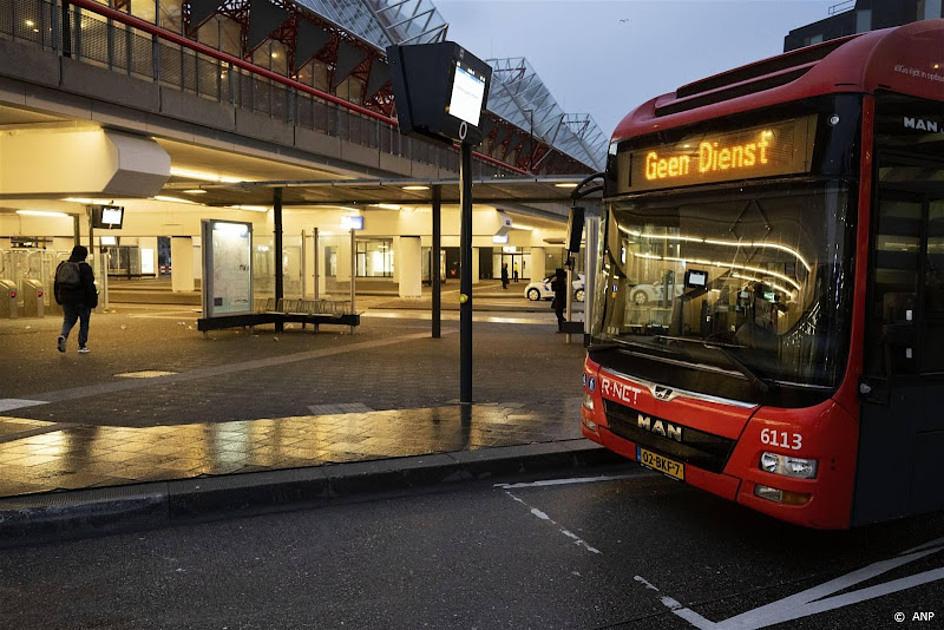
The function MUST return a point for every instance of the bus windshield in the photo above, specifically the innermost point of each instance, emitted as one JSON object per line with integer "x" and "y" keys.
{"x": 752, "y": 280}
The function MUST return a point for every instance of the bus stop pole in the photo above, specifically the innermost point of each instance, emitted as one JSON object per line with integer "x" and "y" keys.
{"x": 434, "y": 262}
{"x": 465, "y": 289}
{"x": 279, "y": 279}
{"x": 316, "y": 262}
{"x": 353, "y": 273}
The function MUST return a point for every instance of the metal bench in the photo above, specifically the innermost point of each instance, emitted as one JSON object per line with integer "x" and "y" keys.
{"x": 270, "y": 311}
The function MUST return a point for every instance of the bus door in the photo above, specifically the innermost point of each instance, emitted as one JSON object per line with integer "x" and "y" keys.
{"x": 901, "y": 449}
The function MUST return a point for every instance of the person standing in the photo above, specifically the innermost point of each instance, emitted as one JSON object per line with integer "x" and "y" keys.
{"x": 559, "y": 303}
{"x": 74, "y": 289}
{"x": 504, "y": 275}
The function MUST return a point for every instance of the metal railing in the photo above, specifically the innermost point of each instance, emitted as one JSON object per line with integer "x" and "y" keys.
{"x": 841, "y": 7}
{"x": 110, "y": 39}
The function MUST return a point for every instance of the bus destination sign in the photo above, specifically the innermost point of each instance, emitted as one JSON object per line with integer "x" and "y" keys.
{"x": 781, "y": 148}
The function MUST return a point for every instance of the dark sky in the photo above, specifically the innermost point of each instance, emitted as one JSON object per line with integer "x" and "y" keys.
{"x": 606, "y": 57}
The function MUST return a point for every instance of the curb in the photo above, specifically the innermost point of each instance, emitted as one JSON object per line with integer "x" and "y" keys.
{"x": 50, "y": 517}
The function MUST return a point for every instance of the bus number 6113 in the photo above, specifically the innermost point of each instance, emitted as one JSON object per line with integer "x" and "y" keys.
{"x": 781, "y": 438}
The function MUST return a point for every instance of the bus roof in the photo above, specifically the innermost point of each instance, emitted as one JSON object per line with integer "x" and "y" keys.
{"x": 908, "y": 59}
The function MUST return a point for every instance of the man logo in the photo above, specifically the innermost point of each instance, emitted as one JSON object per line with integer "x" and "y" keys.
{"x": 922, "y": 124}
{"x": 662, "y": 393}
{"x": 659, "y": 427}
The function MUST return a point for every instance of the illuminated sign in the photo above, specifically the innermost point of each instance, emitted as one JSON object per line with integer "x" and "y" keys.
{"x": 352, "y": 222}
{"x": 782, "y": 148}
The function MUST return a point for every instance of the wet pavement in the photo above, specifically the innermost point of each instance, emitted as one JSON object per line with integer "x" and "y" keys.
{"x": 156, "y": 400}
{"x": 55, "y": 457}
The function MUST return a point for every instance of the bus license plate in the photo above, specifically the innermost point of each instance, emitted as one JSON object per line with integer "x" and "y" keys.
{"x": 670, "y": 467}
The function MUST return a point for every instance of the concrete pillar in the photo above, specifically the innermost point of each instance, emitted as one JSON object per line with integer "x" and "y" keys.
{"x": 396, "y": 260}
{"x": 475, "y": 265}
{"x": 181, "y": 257}
{"x": 410, "y": 264}
{"x": 538, "y": 260}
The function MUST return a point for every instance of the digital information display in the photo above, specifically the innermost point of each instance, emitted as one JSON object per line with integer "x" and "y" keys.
{"x": 468, "y": 93}
{"x": 108, "y": 217}
{"x": 781, "y": 148}
{"x": 695, "y": 279}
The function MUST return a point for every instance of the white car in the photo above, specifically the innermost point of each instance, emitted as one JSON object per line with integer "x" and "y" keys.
{"x": 642, "y": 294}
{"x": 536, "y": 291}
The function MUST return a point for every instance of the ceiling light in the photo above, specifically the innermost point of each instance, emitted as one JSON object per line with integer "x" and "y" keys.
{"x": 566, "y": 185}
{"x": 87, "y": 200}
{"x": 412, "y": 187}
{"x": 249, "y": 208}
{"x": 203, "y": 176}
{"x": 41, "y": 213}
{"x": 170, "y": 199}
{"x": 388, "y": 206}
{"x": 522, "y": 226}
{"x": 195, "y": 191}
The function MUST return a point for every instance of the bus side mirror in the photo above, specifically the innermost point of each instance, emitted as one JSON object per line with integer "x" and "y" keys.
{"x": 574, "y": 229}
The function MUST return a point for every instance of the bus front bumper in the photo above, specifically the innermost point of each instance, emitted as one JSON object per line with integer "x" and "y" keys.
{"x": 817, "y": 511}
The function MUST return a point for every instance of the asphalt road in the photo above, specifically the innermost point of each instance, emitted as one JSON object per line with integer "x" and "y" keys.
{"x": 634, "y": 550}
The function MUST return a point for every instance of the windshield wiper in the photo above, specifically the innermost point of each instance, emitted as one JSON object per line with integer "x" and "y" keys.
{"x": 630, "y": 346}
{"x": 762, "y": 383}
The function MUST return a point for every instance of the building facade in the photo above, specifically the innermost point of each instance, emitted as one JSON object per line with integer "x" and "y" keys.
{"x": 860, "y": 16}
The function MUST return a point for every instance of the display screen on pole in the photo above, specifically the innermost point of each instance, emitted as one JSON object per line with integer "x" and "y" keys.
{"x": 468, "y": 92}
{"x": 108, "y": 217}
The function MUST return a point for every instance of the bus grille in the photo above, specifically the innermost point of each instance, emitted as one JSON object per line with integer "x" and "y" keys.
{"x": 704, "y": 450}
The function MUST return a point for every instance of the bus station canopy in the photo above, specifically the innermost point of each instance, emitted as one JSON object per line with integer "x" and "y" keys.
{"x": 508, "y": 191}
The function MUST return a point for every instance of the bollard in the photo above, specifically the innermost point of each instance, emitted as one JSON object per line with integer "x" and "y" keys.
{"x": 34, "y": 300}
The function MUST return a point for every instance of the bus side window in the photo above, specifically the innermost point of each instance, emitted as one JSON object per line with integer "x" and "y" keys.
{"x": 896, "y": 264}
{"x": 934, "y": 289}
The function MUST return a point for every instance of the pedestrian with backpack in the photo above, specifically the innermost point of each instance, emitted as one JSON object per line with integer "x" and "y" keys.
{"x": 75, "y": 291}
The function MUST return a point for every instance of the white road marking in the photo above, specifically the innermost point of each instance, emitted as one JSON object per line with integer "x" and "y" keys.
{"x": 677, "y": 608}
{"x": 817, "y": 599}
{"x": 566, "y": 532}
{"x": 574, "y": 480}
{"x": 9, "y": 404}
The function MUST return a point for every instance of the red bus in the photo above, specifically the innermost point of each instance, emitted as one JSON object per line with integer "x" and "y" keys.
{"x": 768, "y": 319}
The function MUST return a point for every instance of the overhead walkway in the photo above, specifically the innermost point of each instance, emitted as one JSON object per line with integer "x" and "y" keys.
{"x": 104, "y": 66}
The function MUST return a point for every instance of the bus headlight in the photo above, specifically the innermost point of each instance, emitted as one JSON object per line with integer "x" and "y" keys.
{"x": 587, "y": 401}
{"x": 788, "y": 466}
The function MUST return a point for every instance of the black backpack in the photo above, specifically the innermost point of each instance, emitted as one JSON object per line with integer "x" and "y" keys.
{"x": 69, "y": 275}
